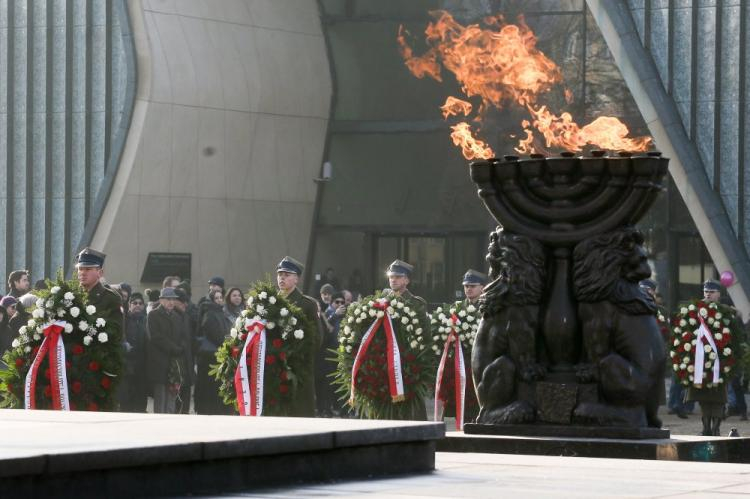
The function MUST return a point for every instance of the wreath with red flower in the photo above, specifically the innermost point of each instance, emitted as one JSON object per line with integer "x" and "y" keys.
{"x": 465, "y": 321}
{"x": 288, "y": 349}
{"x": 92, "y": 352}
{"x": 373, "y": 397}
{"x": 715, "y": 343}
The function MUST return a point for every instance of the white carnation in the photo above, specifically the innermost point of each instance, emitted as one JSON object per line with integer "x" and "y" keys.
{"x": 413, "y": 344}
{"x": 283, "y": 312}
{"x": 38, "y": 313}
{"x": 407, "y": 309}
{"x": 688, "y": 346}
{"x": 39, "y": 302}
{"x": 299, "y": 334}
{"x": 471, "y": 309}
{"x": 690, "y": 369}
{"x": 712, "y": 355}
{"x": 706, "y": 348}
{"x": 31, "y": 323}
{"x": 87, "y": 340}
{"x": 263, "y": 295}
{"x": 718, "y": 336}
{"x": 15, "y": 343}
{"x": 462, "y": 313}
{"x": 270, "y": 325}
{"x": 348, "y": 349}
{"x": 249, "y": 300}
{"x": 692, "y": 321}
{"x": 405, "y": 320}
{"x": 90, "y": 309}
{"x": 102, "y": 337}
{"x": 347, "y": 330}
{"x": 419, "y": 330}
{"x": 703, "y": 312}
{"x": 27, "y": 349}
{"x": 68, "y": 296}
{"x": 37, "y": 336}
{"x": 83, "y": 325}
{"x": 272, "y": 300}
{"x": 68, "y": 327}
{"x": 100, "y": 323}
{"x": 380, "y": 313}
{"x": 55, "y": 290}
{"x": 691, "y": 307}
{"x": 260, "y": 308}
{"x": 75, "y": 312}
{"x": 372, "y": 312}
{"x": 718, "y": 315}
{"x": 399, "y": 304}
{"x": 293, "y": 321}
{"x": 727, "y": 351}
{"x": 22, "y": 330}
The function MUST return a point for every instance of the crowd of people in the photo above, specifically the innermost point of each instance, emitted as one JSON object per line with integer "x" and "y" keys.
{"x": 170, "y": 338}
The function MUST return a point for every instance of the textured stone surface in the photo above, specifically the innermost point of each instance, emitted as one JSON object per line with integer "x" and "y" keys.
{"x": 556, "y": 401}
{"x": 125, "y": 455}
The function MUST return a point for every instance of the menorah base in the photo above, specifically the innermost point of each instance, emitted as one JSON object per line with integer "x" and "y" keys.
{"x": 563, "y": 431}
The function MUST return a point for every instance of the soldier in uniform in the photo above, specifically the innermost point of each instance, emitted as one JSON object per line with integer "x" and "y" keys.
{"x": 474, "y": 283}
{"x": 399, "y": 277}
{"x": 108, "y": 303}
{"x": 288, "y": 273}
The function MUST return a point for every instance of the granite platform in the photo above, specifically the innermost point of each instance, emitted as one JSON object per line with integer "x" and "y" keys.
{"x": 676, "y": 448}
{"x": 66, "y": 454}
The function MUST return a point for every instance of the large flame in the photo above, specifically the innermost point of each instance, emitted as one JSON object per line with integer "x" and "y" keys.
{"x": 501, "y": 65}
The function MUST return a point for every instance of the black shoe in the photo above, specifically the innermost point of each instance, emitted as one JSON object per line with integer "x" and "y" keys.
{"x": 682, "y": 414}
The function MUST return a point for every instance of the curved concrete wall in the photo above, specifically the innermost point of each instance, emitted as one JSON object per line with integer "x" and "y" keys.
{"x": 227, "y": 134}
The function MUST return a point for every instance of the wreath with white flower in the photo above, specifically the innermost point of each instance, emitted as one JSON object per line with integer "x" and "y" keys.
{"x": 87, "y": 379}
{"x": 288, "y": 350}
{"x": 464, "y": 320}
{"x": 701, "y": 348}
{"x": 391, "y": 378}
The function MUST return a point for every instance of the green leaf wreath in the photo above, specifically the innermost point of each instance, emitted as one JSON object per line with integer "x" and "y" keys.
{"x": 93, "y": 352}
{"x": 372, "y": 398}
{"x": 289, "y": 349}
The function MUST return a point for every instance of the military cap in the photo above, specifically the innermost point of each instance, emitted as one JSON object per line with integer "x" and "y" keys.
{"x": 217, "y": 281}
{"x": 711, "y": 285}
{"x": 168, "y": 294}
{"x": 648, "y": 283}
{"x": 89, "y": 257}
{"x": 474, "y": 277}
{"x": 399, "y": 267}
{"x": 290, "y": 265}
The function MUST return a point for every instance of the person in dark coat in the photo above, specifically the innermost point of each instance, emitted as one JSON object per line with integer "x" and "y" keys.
{"x": 288, "y": 273}
{"x": 108, "y": 303}
{"x": 187, "y": 339}
{"x": 6, "y": 338}
{"x": 214, "y": 328}
{"x": 325, "y": 392}
{"x": 165, "y": 353}
{"x": 134, "y": 389}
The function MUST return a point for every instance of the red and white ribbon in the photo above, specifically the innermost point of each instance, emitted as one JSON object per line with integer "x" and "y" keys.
{"x": 701, "y": 334}
{"x": 459, "y": 370}
{"x": 58, "y": 380}
{"x": 395, "y": 377}
{"x": 249, "y": 385}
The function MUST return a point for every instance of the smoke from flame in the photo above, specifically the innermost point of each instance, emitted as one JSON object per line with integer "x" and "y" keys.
{"x": 501, "y": 65}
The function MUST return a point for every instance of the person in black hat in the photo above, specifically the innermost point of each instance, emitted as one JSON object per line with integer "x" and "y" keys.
{"x": 216, "y": 283}
{"x": 133, "y": 391}
{"x": 108, "y": 303}
{"x": 473, "y": 283}
{"x": 288, "y": 273}
{"x": 165, "y": 353}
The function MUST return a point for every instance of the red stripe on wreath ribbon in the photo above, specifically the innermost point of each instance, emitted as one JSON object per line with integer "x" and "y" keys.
{"x": 395, "y": 379}
{"x": 459, "y": 375}
{"x": 49, "y": 348}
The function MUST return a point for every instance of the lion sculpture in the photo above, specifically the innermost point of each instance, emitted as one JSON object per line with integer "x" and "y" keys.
{"x": 506, "y": 342}
{"x": 624, "y": 350}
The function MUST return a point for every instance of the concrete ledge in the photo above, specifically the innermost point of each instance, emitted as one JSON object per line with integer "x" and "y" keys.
{"x": 126, "y": 455}
{"x": 677, "y": 448}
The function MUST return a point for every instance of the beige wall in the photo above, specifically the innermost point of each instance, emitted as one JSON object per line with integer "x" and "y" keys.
{"x": 228, "y": 132}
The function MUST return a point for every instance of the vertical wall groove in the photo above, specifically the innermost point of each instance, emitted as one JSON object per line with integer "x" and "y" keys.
{"x": 10, "y": 161}
{"x": 30, "y": 115}
{"x": 741, "y": 233}
{"x": 717, "y": 96}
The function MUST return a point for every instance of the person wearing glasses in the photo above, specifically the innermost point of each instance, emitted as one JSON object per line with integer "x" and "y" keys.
{"x": 134, "y": 390}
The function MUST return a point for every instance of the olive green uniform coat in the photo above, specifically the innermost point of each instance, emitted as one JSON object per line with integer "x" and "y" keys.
{"x": 304, "y": 404}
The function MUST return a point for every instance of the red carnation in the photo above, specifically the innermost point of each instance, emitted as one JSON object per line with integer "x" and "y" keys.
{"x": 76, "y": 387}
{"x": 92, "y": 406}
{"x": 235, "y": 352}
{"x": 68, "y": 364}
{"x": 106, "y": 383}
{"x": 93, "y": 366}
{"x": 77, "y": 349}
{"x": 282, "y": 356}
{"x": 410, "y": 357}
{"x": 270, "y": 359}
{"x": 19, "y": 362}
{"x": 277, "y": 343}
{"x": 682, "y": 374}
{"x": 284, "y": 388}
{"x": 283, "y": 375}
